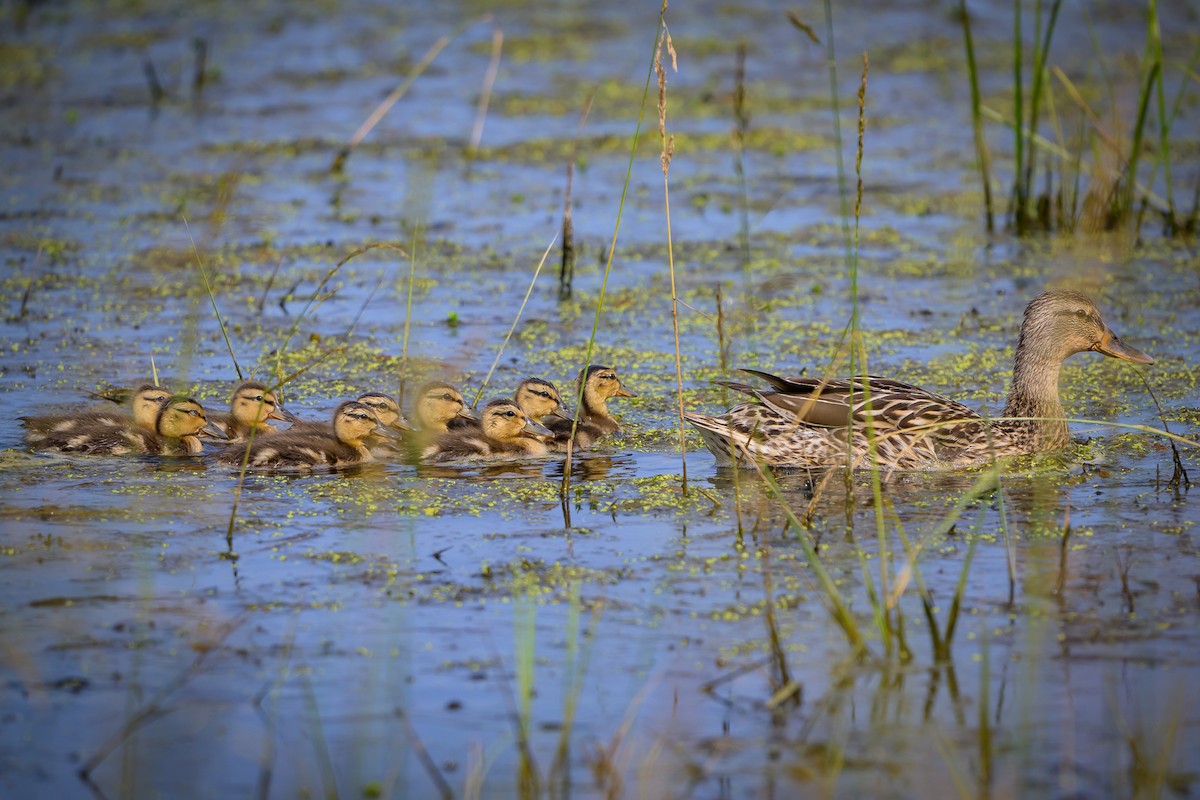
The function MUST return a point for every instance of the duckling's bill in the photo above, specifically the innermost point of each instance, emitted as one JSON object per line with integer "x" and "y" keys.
{"x": 536, "y": 430}
{"x": 212, "y": 430}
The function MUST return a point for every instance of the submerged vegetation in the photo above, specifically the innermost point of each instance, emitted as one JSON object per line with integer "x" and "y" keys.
{"x": 631, "y": 619}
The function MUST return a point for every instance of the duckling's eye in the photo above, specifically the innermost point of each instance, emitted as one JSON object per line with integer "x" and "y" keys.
{"x": 448, "y": 397}
{"x": 543, "y": 394}
{"x": 509, "y": 413}
{"x": 193, "y": 412}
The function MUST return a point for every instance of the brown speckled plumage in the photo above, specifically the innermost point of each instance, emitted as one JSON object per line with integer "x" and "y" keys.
{"x": 806, "y": 422}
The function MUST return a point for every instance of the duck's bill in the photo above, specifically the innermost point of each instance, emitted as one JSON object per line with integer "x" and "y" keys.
{"x": 466, "y": 412}
{"x": 388, "y": 432}
{"x": 536, "y": 429}
{"x": 624, "y": 392}
{"x": 282, "y": 414}
{"x": 212, "y": 430}
{"x": 400, "y": 424}
{"x": 1111, "y": 345}
{"x": 561, "y": 412}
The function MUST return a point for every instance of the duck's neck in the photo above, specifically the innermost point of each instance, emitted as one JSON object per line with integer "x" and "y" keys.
{"x": 1034, "y": 393}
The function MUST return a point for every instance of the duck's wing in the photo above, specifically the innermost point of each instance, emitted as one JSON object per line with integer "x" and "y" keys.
{"x": 102, "y": 440}
{"x": 453, "y": 445}
{"x": 884, "y": 403}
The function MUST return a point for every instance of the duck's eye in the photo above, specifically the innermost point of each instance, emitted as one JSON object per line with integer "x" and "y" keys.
{"x": 193, "y": 412}
{"x": 1083, "y": 314}
{"x": 509, "y": 414}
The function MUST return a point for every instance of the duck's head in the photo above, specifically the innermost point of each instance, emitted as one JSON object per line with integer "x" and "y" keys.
{"x": 539, "y": 398}
{"x": 1060, "y": 323}
{"x": 387, "y": 410}
{"x": 600, "y": 384}
{"x": 354, "y": 421}
{"x": 438, "y": 403}
{"x": 147, "y": 401}
{"x": 253, "y": 404}
{"x": 504, "y": 420}
{"x": 181, "y": 417}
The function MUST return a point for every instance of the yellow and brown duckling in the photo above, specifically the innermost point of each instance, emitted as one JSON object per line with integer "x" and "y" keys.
{"x": 437, "y": 405}
{"x": 600, "y": 384}
{"x": 145, "y": 403}
{"x": 811, "y": 422}
{"x": 504, "y": 431}
{"x": 346, "y": 441}
{"x": 540, "y": 399}
{"x": 176, "y": 432}
{"x": 252, "y": 405}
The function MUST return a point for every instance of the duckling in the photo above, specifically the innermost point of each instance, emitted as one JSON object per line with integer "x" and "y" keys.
{"x": 346, "y": 442}
{"x": 145, "y": 404}
{"x": 600, "y": 384}
{"x": 252, "y": 405}
{"x": 504, "y": 430}
{"x": 176, "y": 433}
{"x": 540, "y": 399}
{"x": 437, "y": 404}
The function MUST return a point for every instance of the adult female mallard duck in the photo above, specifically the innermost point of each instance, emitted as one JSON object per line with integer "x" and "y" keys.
{"x": 176, "y": 433}
{"x": 345, "y": 442}
{"x": 600, "y": 384}
{"x": 145, "y": 403}
{"x": 809, "y": 422}
{"x": 251, "y": 406}
{"x": 504, "y": 431}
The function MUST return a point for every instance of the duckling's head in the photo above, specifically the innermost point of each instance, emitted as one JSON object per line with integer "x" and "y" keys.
{"x": 354, "y": 421}
{"x": 539, "y": 398}
{"x": 181, "y": 417}
{"x": 387, "y": 410}
{"x": 437, "y": 404}
{"x": 147, "y": 401}
{"x": 505, "y": 421}
{"x": 253, "y": 404}
{"x": 1060, "y": 323}
{"x": 599, "y": 385}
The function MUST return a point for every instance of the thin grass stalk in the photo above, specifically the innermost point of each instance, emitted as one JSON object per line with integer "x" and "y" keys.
{"x": 832, "y": 598}
{"x": 723, "y": 358}
{"x": 1154, "y": 35}
{"x": 741, "y": 128}
{"x": 320, "y": 743}
{"x": 612, "y": 249}
{"x": 412, "y": 270}
{"x": 525, "y": 636}
{"x": 981, "y": 148}
{"x": 153, "y": 369}
{"x": 668, "y": 151}
{"x": 212, "y": 298}
{"x": 1129, "y": 185}
{"x": 381, "y": 110}
{"x": 485, "y": 91}
{"x": 778, "y": 655}
{"x": 1041, "y": 48}
{"x": 566, "y": 273}
{"x": 1020, "y": 191}
{"x": 517, "y": 319}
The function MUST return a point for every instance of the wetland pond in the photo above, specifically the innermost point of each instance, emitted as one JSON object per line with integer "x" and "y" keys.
{"x": 400, "y": 631}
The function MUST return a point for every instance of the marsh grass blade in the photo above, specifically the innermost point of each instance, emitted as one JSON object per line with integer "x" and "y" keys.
{"x": 612, "y": 249}
{"x": 516, "y": 320}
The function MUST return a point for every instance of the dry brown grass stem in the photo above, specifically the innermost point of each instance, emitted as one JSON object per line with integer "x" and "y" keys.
{"x": 485, "y": 92}
{"x": 381, "y": 110}
{"x": 668, "y": 152}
